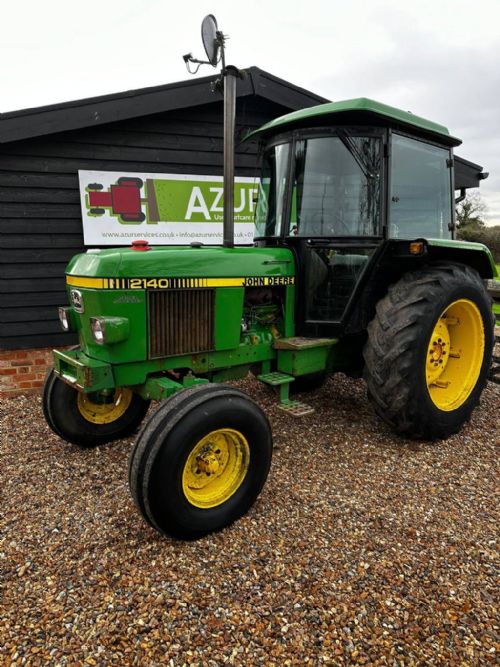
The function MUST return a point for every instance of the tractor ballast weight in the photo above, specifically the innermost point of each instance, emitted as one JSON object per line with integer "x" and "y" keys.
{"x": 354, "y": 269}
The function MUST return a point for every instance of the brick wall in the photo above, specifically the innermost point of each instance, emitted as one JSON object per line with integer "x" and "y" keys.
{"x": 23, "y": 371}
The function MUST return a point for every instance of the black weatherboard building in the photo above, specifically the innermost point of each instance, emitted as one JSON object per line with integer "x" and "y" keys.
{"x": 176, "y": 128}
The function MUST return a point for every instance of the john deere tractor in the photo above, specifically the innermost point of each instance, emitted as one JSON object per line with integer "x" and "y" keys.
{"x": 354, "y": 269}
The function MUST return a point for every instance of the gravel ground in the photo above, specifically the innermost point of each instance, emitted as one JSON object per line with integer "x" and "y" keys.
{"x": 362, "y": 549}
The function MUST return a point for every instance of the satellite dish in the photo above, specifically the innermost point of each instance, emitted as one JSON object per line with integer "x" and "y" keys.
{"x": 210, "y": 39}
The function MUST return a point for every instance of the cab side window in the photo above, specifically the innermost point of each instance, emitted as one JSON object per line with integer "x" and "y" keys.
{"x": 420, "y": 193}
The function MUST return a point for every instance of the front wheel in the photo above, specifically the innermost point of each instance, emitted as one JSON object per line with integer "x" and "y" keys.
{"x": 201, "y": 461}
{"x": 429, "y": 350}
{"x": 89, "y": 420}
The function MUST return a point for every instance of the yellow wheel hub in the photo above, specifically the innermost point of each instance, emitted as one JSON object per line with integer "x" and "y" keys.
{"x": 215, "y": 468}
{"x": 104, "y": 413}
{"x": 455, "y": 355}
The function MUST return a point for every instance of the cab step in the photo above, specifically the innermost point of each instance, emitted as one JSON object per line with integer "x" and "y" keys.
{"x": 296, "y": 408}
{"x": 283, "y": 381}
{"x": 275, "y": 378}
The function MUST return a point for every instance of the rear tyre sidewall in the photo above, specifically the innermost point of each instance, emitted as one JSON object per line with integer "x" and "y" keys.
{"x": 397, "y": 347}
{"x": 442, "y": 423}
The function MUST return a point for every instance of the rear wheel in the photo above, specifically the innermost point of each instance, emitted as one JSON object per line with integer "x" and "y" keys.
{"x": 133, "y": 217}
{"x": 201, "y": 461}
{"x": 130, "y": 181}
{"x": 429, "y": 350}
{"x": 89, "y": 420}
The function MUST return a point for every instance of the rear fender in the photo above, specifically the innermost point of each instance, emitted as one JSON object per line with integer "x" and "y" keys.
{"x": 475, "y": 255}
{"x": 393, "y": 260}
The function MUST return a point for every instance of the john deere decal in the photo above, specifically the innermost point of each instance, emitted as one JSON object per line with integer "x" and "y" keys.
{"x": 162, "y": 208}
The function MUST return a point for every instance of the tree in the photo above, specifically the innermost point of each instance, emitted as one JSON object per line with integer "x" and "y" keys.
{"x": 470, "y": 212}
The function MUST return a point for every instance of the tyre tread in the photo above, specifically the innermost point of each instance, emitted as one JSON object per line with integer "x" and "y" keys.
{"x": 391, "y": 335}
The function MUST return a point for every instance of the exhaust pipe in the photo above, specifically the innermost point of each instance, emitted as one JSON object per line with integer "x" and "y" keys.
{"x": 230, "y": 74}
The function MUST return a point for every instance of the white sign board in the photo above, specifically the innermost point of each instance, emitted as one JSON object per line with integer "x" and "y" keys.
{"x": 118, "y": 208}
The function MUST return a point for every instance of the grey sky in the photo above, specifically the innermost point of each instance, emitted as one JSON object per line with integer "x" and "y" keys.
{"x": 439, "y": 59}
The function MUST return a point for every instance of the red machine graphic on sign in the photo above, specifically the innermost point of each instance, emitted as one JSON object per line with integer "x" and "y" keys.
{"x": 122, "y": 200}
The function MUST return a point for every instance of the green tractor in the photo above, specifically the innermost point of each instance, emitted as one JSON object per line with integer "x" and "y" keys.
{"x": 354, "y": 269}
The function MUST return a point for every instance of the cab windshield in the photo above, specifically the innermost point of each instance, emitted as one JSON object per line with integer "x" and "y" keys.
{"x": 334, "y": 189}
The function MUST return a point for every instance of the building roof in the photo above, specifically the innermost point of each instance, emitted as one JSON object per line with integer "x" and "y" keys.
{"x": 39, "y": 121}
{"x": 93, "y": 111}
{"x": 356, "y": 106}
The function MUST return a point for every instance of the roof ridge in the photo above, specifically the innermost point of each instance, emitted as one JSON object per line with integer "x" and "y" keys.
{"x": 91, "y": 111}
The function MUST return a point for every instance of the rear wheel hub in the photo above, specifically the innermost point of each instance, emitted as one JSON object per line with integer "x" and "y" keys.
{"x": 455, "y": 355}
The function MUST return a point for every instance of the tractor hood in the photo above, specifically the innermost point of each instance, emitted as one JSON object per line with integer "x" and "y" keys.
{"x": 182, "y": 262}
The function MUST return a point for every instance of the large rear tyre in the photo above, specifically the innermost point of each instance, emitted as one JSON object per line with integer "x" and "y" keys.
{"x": 88, "y": 420}
{"x": 429, "y": 350}
{"x": 200, "y": 461}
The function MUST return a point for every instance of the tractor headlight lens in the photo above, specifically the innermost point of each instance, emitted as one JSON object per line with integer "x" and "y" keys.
{"x": 65, "y": 319}
{"x": 98, "y": 330}
{"x": 109, "y": 330}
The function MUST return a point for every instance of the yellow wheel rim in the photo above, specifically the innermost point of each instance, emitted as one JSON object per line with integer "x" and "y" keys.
{"x": 455, "y": 355}
{"x": 105, "y": 413}
{"x": 215, "y": 468}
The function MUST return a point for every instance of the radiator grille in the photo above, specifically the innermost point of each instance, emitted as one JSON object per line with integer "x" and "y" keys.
{"x": 180, "y": 322}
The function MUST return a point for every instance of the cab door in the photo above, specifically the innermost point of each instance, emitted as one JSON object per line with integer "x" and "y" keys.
{"x": 330, "y": 273}
{"x": 335, "y": 221}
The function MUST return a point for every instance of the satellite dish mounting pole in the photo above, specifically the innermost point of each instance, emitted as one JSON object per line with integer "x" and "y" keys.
{"x": 214, "y": 41}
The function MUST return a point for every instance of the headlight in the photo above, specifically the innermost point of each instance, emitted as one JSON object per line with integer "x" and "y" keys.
{"x": 109, "y": 330}
{"x": 98, "y": 329}
{"x": 65, "y": 319}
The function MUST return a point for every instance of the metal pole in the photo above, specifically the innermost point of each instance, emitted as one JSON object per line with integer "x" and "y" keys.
{"x": 230, "y": 74}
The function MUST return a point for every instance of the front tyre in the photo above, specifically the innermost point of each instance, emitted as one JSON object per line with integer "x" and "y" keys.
{"x": 201, "y": 461}
{"x": 89, "y": 420}
{"x": 429, "y": 350}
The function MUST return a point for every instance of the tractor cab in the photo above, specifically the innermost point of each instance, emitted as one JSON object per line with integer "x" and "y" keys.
{"x": 345, "y": 185}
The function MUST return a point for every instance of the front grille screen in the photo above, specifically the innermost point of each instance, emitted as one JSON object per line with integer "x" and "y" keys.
{"x": 180, "y": 322}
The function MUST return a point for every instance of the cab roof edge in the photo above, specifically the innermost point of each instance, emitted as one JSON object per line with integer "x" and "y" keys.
{"x": 390, "y": 114}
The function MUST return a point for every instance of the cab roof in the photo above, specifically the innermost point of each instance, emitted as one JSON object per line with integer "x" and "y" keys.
{"x": 360, "y": 109}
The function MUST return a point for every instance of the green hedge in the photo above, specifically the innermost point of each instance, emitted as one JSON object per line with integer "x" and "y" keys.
{"x": 490, "y": 236}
